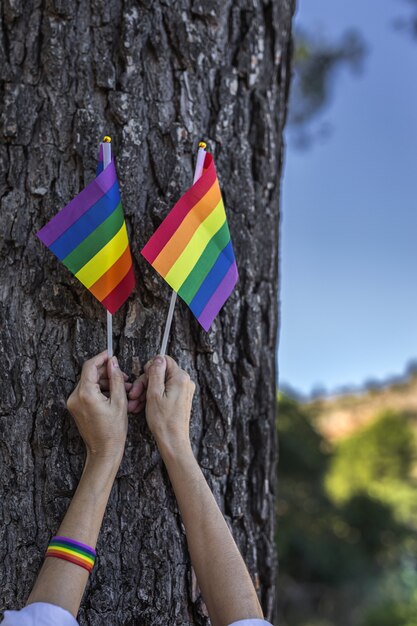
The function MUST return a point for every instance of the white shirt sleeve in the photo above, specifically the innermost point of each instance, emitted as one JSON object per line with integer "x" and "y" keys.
{"x": 43, "y": 614}
{"x": 39, "y": 614}
{"x": 251, "y": 622}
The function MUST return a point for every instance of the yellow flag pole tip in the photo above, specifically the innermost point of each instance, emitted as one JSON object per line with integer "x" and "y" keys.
{"x": 202, "y": 144}
{"x": 107, "y": 139}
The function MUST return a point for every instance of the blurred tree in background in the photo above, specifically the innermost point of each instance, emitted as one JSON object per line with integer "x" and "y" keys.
{"x": 345, "y": 522}
{"x": 377, "y": 460}
{"x": 409, "y": 23}
{"x": 317, "y": 62}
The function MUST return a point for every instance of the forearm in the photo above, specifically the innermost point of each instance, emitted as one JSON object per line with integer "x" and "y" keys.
{"x": 61, "y": 582}
{"x": 222, "y": 575}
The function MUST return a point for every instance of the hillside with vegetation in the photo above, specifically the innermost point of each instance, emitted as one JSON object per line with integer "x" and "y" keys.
{"x": 347, "y": 508}
{"x": 338, "y": 416}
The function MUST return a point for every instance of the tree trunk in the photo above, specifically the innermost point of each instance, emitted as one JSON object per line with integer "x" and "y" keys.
{"x": 158, "y": 76}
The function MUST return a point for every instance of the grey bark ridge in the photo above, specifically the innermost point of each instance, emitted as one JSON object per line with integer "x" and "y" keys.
{"x": 157, "y": 76}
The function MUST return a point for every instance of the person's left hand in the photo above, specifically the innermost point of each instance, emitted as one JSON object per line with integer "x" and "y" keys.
{"x": 137, "y": 394}
{"x": 99, "y": 407}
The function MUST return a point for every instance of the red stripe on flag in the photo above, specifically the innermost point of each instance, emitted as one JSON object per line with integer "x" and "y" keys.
{"x": 120, "y": 293}
{"x": 110, "y": 279}
{"x": 184, "y": 205}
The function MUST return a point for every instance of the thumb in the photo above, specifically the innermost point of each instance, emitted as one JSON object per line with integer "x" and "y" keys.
{"x": 117, "y": 382}
{"x": 156, "y": 376}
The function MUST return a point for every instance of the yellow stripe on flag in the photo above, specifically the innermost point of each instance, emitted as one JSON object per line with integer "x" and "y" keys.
{"x": 104, "y": 259}
{"x": 192, "y": 252}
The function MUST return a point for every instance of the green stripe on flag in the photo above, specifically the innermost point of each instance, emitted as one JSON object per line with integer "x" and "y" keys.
{"x": 204, "y": 264}
{"x": 95, "y": 241}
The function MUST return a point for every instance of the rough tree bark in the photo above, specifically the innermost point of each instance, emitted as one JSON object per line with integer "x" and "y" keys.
{"x": 158, "y": 76}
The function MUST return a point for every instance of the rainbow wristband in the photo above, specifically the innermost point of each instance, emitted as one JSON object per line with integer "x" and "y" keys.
{"x": 72, "y": 551}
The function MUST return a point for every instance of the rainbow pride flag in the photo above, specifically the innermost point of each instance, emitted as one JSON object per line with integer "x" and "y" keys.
{"x": 192, "y": 249}
{"x": 89, "y": 236}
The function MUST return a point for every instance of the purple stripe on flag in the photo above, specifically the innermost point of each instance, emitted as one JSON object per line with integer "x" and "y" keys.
{"x": 219, "y": 297}
{"x": 78, "y": 206}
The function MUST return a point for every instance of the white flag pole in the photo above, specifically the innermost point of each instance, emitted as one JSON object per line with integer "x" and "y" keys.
{"x": 106, "y": 160}
{"x": 201, "y": 155}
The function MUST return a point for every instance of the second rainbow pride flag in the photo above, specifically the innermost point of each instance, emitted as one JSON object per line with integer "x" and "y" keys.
{"x": 89, "y": 237}
{"x": 192, "y": 249}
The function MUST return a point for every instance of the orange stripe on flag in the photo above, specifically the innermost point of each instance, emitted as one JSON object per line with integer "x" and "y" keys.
{"x": 179, "y": 240}
{"x": 110, "y": 279}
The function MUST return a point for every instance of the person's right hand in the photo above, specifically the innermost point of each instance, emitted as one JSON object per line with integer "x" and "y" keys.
{"x": 169, "y": 397}
{"x": 98, "y": 405}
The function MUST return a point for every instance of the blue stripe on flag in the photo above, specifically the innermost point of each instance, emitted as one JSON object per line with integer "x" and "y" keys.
{"x": 212, "y": 280}
{"x": 88, "y": 222}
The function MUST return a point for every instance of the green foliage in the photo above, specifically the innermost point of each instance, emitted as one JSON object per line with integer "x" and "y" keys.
{"x": 393, "y": 614}
{"x": 395, "y": 601}
{"x": 339, "y": 530}
{"x": 301, "y": 449}
{"x": 307, "y": 530}
{"x": 314, "y": 535}
{"x": 377, "y": 461}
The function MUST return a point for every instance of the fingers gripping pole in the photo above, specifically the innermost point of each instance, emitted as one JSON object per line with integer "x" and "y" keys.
{"x": 106, "y": 161}
{"x": 201, "y": 155}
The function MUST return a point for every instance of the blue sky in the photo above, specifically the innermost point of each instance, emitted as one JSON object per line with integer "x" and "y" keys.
{"x": 349, "y": 213}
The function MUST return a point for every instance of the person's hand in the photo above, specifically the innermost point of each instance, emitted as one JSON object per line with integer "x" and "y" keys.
{"x": 169, "y": 397}
{"x": 99, "y": 407}
{"x": 136, "y": 395}
{"x": 136, "y": 392}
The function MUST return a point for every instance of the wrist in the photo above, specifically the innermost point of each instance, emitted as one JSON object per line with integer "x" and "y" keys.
{"x": 104, "y": 463}
{"x": 172, "y": 451}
